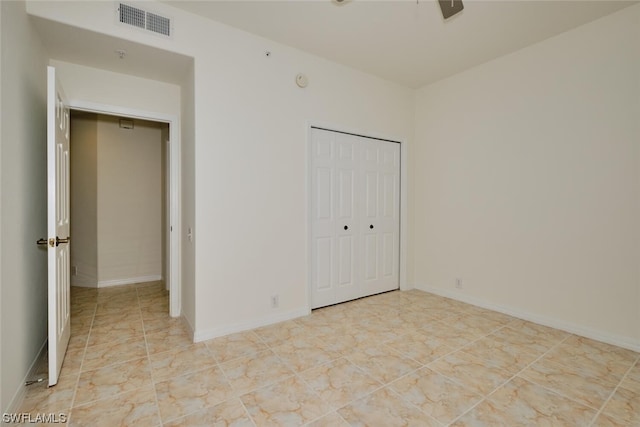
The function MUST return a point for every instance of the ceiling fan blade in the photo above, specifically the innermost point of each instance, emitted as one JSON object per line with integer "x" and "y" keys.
{"x": 450, "y": 7}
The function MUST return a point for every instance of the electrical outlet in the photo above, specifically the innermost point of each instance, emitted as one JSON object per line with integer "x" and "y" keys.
{"x": 275, "y": 301}
{"x": 74, "y": 270}
{"x": 459, "y": 283}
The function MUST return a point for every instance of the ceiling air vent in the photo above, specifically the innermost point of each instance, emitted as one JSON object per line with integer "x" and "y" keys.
{"x": 142, "y": 19}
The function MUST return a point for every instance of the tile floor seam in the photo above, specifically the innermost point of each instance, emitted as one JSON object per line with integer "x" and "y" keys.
{"x": 567, "y": 365}
{"x": 615, "y": 390}
{"x": 443, "y": 374}
{"x": 486, "y": 397}
{"x": 547, "y": 388}
{"x": 84, "y": 354}
{"x": 90, "y": 402}
{"x": 384, "y": 384}
{"x": 381, "y": 384}
{"x": 478, "y": 338}
{"x": 247, "y": 412}
{"x": 153, "y": 380}
{"x": 562, "y": 365}
{"x": 237, "y": 395}
{"x": 401, "y": 354}
{"x": 319, "y": 397}
{"x": 391, "y": 390}
{"x": 217, "y": 366}
{"x": 319, "y": 418}
{"x": 390, "y": 385}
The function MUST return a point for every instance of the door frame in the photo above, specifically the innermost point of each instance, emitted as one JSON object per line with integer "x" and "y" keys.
{"x": 402, "y": 264}
{"x": 173, "y": 226}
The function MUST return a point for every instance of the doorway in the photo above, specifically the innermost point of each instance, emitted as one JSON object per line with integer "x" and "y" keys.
{"x": 118, "y": 200}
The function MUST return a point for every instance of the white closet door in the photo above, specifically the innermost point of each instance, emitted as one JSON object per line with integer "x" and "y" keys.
{"x": 381, "y": 217}
{"x": 354, "y": 217}
{"x": 333, "y": 206}
{"x": 346, "y": 208}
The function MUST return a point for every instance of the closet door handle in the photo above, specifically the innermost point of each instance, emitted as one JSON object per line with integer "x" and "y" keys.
{"x": 346, "y": 227}
{"x": 371, "y": 226}
{"x": 60, "y": 241}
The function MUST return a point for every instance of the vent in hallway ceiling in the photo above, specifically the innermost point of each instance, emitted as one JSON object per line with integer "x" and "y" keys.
{"x": 142, "y": 19}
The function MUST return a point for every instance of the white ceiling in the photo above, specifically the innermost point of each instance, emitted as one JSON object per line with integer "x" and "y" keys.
{"x": 398, "y": 40}
{"x": 403, "y": 40}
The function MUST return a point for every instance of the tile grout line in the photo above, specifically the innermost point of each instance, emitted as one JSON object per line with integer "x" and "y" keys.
{"x": 119, "y": 363}
{"x": 267, "y": 348}
{"x": 421, "y": 366}
{"x": 511, "y": 379}
{"x": 80, "y": 369}
{"x": 217, "y": 365}
{"x": 146, "y": 347}
{"x": 454, "y": 380}
{"x": 84, "y": 355}
{"x": 615, "y": 390}
{"x": 297, "y": 375}
{"x": 224, "y": 374}
{"x": 556, "y": 391}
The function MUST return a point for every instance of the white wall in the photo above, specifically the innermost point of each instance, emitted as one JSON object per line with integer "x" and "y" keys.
{"x": 527, "y": 182}
{"x": 250, "y": 169}
{"x": 23, "y": 285}
{"x": 114, "y": 89}
{"x": 129, "y": 178}
{"x": 84, "y": 199}
{"x": 188, "y": 203}
{"x": 247, "y": 206}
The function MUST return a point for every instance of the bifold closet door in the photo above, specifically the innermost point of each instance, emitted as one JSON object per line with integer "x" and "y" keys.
{"x": 354, "y": 217}
{"x": 380, "y": 213}
{"x": 334, "y": 224}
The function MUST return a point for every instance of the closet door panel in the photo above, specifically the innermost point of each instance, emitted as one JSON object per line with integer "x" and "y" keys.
{"x": 346, "y": 213}
{"x": 388, "y": 220}
{"x": 370, "y": 196}
{"x": 323, "y": 261}
{"x": 370, "y": 255}
{"x": 323, "y": 252}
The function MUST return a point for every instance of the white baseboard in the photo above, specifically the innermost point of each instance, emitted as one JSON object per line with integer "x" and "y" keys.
{"x": 18, "y": 396}
{"x": 244, "y": 326}
{"x": 83, "y": 285}
{"x": 84, "y": 280}
{"x": 128, "y": 281}
{"x": 189, "y": 326}
{"x": 572, "y": 328}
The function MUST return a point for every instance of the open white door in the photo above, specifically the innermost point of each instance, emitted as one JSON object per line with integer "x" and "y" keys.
{"x": 57, "y": 224}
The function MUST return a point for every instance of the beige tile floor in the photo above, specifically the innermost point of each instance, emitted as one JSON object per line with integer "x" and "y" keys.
{"x": 396, "y": 359}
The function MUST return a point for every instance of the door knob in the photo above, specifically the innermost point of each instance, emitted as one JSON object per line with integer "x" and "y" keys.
{"x": 371, "y": 226}
{"x": 346, "y": 227}
{"x": 42, "y": 242}
{"x": 60, "y": 241}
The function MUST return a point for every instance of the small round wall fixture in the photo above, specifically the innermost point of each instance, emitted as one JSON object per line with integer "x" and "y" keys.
{"x": 301, "y": 80}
